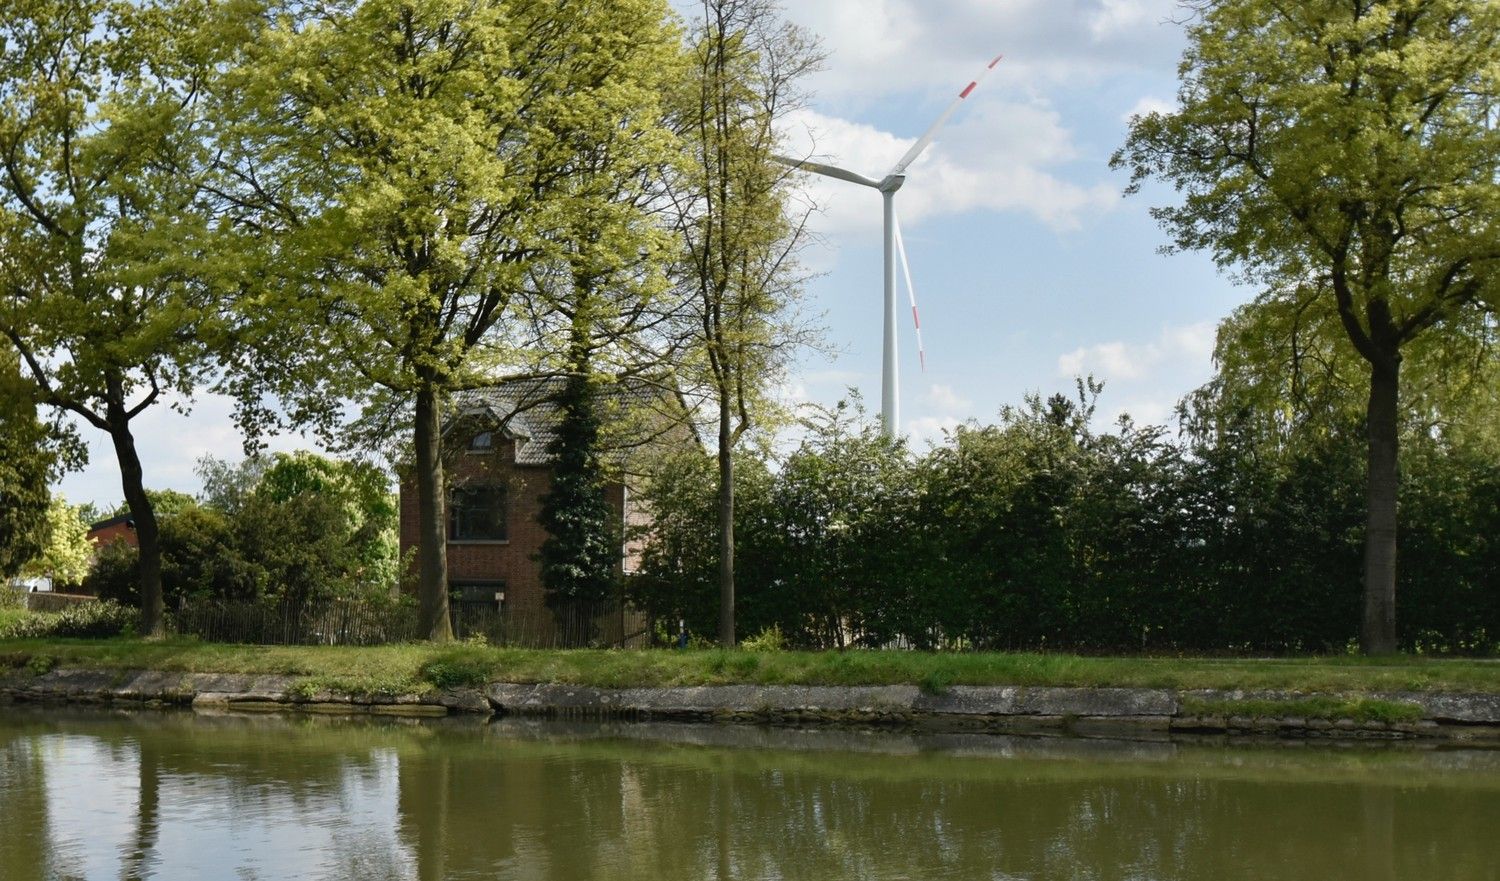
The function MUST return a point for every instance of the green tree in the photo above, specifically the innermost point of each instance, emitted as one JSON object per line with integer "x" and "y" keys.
{"x": 286, "y": 528}
{"x": 306, "y": 524}
{"x": 738, "y": 236}
{"x": 403, "y": 170}
{"x": 679, "y": 573}
{"x": 362, "y": 520}
{"x": 26, "y": 466}
{"x": 821, "y": 558}
{"x": 100, "y": 133}
{"x": 164, "y": 503}
{"x": 1276, "y": 469}
{"x": 66, "y": 556}
{"x": 581, "y": 556}
{"x": 1346, "y": 152}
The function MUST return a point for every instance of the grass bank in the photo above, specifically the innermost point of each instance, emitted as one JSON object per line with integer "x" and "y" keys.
{"x": 419, "y": 668}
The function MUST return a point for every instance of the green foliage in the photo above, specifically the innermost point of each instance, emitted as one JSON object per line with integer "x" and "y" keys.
{"x": 1042, "y": 533}
{"x": 321, "y": 527}
{"x": 297, "y": 528}
{"x": 68, "y": 553}
{"x": 25, "y": 467}
{"x": 402, "y": 176}
{"x": 92, "y": 620}
{"x": 164, "y": 502}
{"x": 102, "y": 126}
{"x": 1345, "y": 155}
{"x": 935, "y": 682}
{"x": 768, "y": 640}
{"x": 738, "y": 233}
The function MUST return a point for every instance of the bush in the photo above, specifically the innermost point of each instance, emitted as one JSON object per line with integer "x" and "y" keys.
{"x": 1043, "y": 533}
{"x": 94, "y": 620}
{"x": 115, "y": 575}
{"x": 768, "y": 640}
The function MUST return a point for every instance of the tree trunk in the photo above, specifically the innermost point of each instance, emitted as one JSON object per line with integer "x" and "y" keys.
{"x": 148, "y": 535}
{"x": 432, "y": 525}
{"x": 726, "y": 530}
{"x": 1378, "y": 635}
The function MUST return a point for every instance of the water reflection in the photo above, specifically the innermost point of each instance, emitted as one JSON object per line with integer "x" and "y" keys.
{"x": 167, "y": 796}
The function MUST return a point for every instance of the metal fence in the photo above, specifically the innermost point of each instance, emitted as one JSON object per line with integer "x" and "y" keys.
{"x": 543, "y": 628}
{"x": 47, "y": 601}
{"x": 361, "y": 622}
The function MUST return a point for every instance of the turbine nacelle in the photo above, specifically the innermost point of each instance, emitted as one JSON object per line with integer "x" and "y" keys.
{"x": 891, "y": 183}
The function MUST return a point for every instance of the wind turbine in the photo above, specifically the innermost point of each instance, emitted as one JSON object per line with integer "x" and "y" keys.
{"x": 890, "y": 394}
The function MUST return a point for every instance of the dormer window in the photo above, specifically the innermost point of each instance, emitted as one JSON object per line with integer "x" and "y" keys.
{"x": 482, "y": 442}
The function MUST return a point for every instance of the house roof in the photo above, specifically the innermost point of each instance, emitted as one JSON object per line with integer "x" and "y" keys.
{"x": 527, "y": 411}
{"x": 112, "y": 521}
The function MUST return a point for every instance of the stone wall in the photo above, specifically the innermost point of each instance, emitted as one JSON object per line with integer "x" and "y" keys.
{"x": 1131, "y": 711}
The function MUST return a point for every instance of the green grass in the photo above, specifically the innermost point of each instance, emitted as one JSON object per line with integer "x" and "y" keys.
{"x": 419, "y": 667}
{"x": 1318, "y": 707}
{"x": 11, "y": 614}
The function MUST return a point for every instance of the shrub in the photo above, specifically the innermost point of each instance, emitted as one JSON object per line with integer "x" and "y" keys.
{"x": 95, "y": 620}
{"x": 768, "y": 640}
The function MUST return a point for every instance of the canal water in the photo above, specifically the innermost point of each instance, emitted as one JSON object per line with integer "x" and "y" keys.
{"x": 174, "y": 795}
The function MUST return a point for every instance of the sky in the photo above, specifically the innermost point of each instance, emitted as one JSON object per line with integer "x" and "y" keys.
{"x": 1030, "y": 267}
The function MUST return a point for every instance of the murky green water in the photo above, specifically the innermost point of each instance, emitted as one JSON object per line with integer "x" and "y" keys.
{"x": 96, "y": 795}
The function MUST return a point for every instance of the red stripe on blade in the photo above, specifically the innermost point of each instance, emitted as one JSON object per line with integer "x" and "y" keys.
{"x": 996, "y": 61}
{"x": 915, "y": 320}
{"x": 965, "y": 92}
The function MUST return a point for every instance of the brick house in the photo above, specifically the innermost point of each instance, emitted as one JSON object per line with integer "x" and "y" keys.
{"x": 106, "y": 532}
{"x": 499, "y": 470}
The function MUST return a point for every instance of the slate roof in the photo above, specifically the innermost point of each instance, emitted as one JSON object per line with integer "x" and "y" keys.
{"x": 527, "y": 411}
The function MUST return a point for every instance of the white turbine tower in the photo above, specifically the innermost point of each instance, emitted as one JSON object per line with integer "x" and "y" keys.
{"x": 890, "y": 395}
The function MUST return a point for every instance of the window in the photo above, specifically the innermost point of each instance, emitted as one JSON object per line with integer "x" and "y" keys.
{"x": 477, "y": 513}
{"x": 482, "y": 442}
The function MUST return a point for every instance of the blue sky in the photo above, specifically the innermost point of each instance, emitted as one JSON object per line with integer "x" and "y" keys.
{"x": 1029, "y": 266}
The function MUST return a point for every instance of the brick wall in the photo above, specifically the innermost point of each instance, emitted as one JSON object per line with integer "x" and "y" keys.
{"x": 514, "y": 560}
{"x": 113, "y": 532}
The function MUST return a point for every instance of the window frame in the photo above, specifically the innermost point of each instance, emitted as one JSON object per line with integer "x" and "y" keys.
{"x": 456, "y": 509}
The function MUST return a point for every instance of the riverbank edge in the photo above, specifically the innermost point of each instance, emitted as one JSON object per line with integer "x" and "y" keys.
{"x": 1437, "y": 715}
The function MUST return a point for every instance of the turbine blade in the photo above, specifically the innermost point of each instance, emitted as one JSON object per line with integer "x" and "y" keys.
{"x": 911, "y": 292}
{"x": 927, "y": 136}
{"x": 827, "y": 171}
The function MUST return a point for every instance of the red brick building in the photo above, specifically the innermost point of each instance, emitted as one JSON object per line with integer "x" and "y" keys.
{"x": 107, "y": 532}
{"x": 499, "y": 470}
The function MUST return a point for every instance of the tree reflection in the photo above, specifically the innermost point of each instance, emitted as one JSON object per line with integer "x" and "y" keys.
{"x": 321, "y": 798}
{"x": 148, "y": 808}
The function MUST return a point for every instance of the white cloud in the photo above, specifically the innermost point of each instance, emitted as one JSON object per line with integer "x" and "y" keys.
{"x": 1145, "y": 411}
{"x": 1184, "y": 346}
{"x": 926, "y": 431}
{"x": 944, "y": 397}
{"x": 1148, "y": 105}
{"x": 1110, "y": 360}
{"x": 883, "y": 47}
{"x": 170, "y": 443}
{"x": 1116, "y": 17}
{"x": 994, "y": 159}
